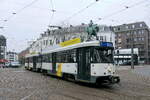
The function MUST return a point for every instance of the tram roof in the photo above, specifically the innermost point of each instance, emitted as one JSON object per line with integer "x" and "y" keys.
{"x": 79, "y": 45}
{"x": 33, "y": 55}
{"x": 83, "y": 44}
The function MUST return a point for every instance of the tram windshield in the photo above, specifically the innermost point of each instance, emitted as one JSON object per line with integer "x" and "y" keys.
{"x": 102, "y": 55}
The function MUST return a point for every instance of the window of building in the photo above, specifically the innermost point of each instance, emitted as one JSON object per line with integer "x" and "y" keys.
{"x": 139, "y": 39}
{"x": 142, "y": 52}
{"x": 127, "y": 27}
{"x": 50, "y": 42}
{"x": 135, "y": 39}
{"x": 141, "y": 25}
{"x": 57, "y": 41}
{"x": 101, "y": 38}
{"x": 128, "y": 34}
{"x": 46, "y": 42}
{"x": 133, "y": 26}
{"x": 142, "y": 31}
{"x": 139, "y": 31}
{"x": 114, "y": 29}
{"x": 134, "y": 32}
{"x": 119, "y": 40}
{"x": 128, "y": 40}
{"x": 142, "y": 38}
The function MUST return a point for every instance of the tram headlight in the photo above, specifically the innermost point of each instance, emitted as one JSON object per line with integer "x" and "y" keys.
{"x": 109, "y": 70}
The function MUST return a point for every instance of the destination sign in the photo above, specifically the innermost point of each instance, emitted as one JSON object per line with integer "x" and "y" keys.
{"x": 106, "y": 44}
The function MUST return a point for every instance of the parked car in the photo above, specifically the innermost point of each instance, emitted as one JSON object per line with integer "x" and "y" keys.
{"x": 14, "y": 64}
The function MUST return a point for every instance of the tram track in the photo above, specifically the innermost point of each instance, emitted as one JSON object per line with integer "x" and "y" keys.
{"x": 20, "y": 84}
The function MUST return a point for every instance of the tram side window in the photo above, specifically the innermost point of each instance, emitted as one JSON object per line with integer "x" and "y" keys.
{"x": 50, "y": 58}
{"x": 72, "y": 56}
{"x": 102, "y": 56}
{"x": 26, "y": 60}
{"x": 47, "y": 58}
{"x": 39, "y": 59}
{"x": 59, "y": 57}
{"x": 68, "y": 56}
{"x": 30, "y": 60}
{"x": 64, "y": 57}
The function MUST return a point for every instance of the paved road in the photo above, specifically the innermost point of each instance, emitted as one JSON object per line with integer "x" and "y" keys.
{"x": 19, "y": 84}
{"x": 143, "y": 71}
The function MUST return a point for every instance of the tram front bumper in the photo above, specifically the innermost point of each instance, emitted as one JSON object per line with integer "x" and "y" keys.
{"x": 108, "y": 79}
{"x": 114, "y": 79}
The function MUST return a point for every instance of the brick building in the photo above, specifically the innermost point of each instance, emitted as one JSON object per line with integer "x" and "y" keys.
{"x": 137, "y": 34}
{"x": 22, "y": 54}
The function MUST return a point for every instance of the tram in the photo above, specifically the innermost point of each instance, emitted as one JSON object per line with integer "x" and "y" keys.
{"x": 90, "y": 62}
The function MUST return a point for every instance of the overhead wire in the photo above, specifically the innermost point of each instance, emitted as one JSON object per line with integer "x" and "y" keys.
{"x": 42, "y": 8}
{"x": 76, "y": 13}
{"x": 53, "y": 11}
{"x": 80, "y": 11}
{"x": 122, "y": 10}
{"x": 52, "y": 4}
{"x": 20, "y": 10}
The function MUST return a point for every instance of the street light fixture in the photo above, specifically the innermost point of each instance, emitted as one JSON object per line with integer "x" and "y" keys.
{"x": 13, "y": 13}
{"x": 1, "y": 27}
{"x": 132, "y": 51}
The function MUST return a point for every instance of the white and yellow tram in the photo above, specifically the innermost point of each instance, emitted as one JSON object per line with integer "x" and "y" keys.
{"x": 90, "y": 62}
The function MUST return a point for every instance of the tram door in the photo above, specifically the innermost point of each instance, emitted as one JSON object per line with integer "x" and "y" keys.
{"x": 39, "y": 60}
{"x": 83, "y": 59}
{"x": 40, "y": 57}
{"x": 27, "y": 61}
{"x": 34, "y": 62}
{"x": 54, "y": 63}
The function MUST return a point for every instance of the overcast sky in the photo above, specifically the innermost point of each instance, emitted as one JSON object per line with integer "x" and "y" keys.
{"x": 31, "y": 20}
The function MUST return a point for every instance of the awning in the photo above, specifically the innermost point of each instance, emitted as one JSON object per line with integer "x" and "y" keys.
{"x": 3, "y": 60}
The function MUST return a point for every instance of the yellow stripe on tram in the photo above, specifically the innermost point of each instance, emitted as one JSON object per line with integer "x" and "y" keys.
{"x": 70, "y": 42}
{"x": 59, "y": 70}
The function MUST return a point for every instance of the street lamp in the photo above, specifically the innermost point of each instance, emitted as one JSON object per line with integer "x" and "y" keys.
{"x": 1, "y": 27}
{"x": 132, "y": 51}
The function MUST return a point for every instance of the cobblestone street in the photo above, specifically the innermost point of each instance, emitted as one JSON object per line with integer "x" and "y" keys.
{"x": 20, "y": 84}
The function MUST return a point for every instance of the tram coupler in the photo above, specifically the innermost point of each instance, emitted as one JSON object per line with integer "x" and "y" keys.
{"x": 114, "y": 79}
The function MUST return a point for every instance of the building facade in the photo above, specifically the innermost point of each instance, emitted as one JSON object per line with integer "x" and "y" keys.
{"x": 2, "y": 47}
{"x": 22, "y": 54}
{"x": 12, "y": 56}
{"x": 52, "y": 38}
{"x": 124, "y": 56}
{"x": 134, "y": 34}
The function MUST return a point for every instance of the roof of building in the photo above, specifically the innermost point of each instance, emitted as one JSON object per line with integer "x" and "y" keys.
{"x": 133, "y": 23}
{"x": 130, "y": 26}
{"x": 9, "y": 52}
